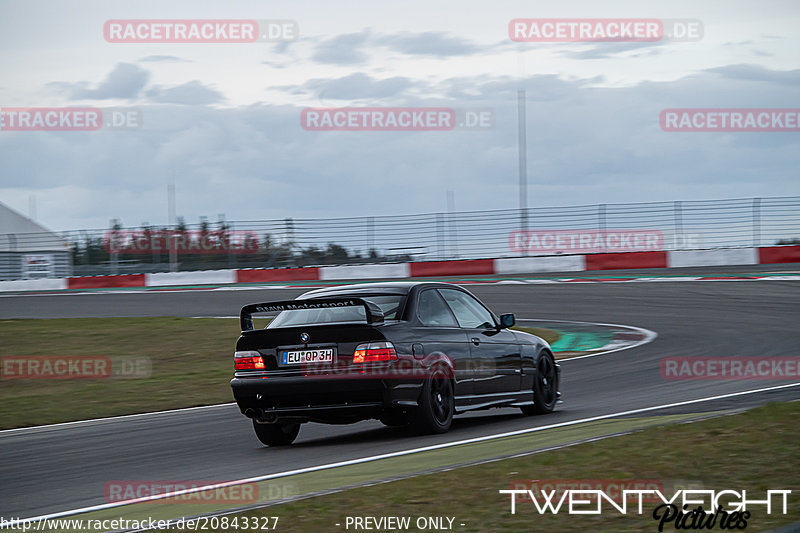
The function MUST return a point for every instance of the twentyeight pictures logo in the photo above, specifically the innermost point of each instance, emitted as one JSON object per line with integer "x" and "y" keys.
{"x": 684, "y": 509}
{"x": 614, "y": 488}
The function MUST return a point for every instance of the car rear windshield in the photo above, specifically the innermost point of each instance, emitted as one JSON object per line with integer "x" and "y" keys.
{"x": 389, "y": 304}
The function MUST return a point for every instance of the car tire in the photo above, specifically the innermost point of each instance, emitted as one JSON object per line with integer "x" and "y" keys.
{"x": 545, "y": 387}
{"x": 436, "y": 404}
{"x": 277, "y": 434}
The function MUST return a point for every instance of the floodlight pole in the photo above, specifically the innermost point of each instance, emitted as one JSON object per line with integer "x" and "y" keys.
{"x": 523, "y": 161}
{"x": 173, "y": 253}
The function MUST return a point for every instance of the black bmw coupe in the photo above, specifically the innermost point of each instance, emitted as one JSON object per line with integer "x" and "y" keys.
{"x": 406, "y": 353}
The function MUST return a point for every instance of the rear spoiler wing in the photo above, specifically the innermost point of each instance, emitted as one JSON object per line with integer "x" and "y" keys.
{"x": 373, "y": 312}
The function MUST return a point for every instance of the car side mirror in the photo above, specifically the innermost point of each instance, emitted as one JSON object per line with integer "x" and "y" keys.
{"x": 506, "y": 321}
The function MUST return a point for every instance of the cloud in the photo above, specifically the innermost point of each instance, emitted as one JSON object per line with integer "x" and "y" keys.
{"x": 275, "y": 64}
{"x": 746, "y": 72}
{"x": 344, "y": 49}
{"x": 586, "y": 145}
{"x": 428, "y": 44}
{"x": 156, "y": 58}
{"x": 354, "y": 48}
{"x": 124, "y": 82}
{"x": 355, "y": 86}
{"x": 606, "y": 50}
{"x": 128, "y": 81}
{"x": 739, "y": 43}
{"x": 190, "y": 93}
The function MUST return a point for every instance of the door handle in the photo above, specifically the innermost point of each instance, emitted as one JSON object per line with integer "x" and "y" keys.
{"x": 476, "y": 341}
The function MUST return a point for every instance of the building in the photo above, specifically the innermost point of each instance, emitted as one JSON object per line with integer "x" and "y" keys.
{"x": 29, "y": 250}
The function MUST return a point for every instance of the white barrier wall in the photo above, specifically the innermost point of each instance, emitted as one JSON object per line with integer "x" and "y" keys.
{"x": 529, "y": 265}
{"x": 396, "y": 270}
{"x": 202, "y": 277}
{"x": 34, "y": 285}
{"x": 511, "y": 265}
{"x": 731, "y": 256}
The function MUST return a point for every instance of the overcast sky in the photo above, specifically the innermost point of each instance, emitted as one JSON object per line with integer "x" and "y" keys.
{"x": 222, "y": 120}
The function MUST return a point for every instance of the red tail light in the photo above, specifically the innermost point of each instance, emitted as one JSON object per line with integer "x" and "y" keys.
{"x": 374, "y": 351}
{"x": 249, "y": 360}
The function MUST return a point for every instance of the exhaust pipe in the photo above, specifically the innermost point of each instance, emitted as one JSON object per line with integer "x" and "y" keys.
{"x": 265, "y": 417}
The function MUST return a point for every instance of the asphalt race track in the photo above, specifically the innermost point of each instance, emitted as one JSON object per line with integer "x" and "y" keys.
{"x": 54, "y": 469}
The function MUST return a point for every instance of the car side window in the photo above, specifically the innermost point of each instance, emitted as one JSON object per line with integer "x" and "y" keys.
{"x": 432, "y": 311}
{"x": 469, "y": 312}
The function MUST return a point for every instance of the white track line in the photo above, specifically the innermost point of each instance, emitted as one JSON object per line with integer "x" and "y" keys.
{"x": 400, "y": 453}
{"x": 111, "y": 418}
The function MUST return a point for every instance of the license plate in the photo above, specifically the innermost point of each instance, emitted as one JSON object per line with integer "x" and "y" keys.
{"x": 296, "y": 357}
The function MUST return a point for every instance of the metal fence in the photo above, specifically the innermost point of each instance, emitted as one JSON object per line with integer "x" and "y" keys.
{"x": 434, "y": 236}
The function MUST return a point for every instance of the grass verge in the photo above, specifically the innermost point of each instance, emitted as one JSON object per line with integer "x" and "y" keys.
{"x": 191, "y": 362}
{"x": 755, "y": 450}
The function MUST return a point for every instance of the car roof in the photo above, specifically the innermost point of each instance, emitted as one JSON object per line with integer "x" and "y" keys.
{"x": 386, "y": 287}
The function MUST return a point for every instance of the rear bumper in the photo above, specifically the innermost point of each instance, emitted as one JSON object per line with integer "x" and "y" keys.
{"x": 337, "y": 400}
